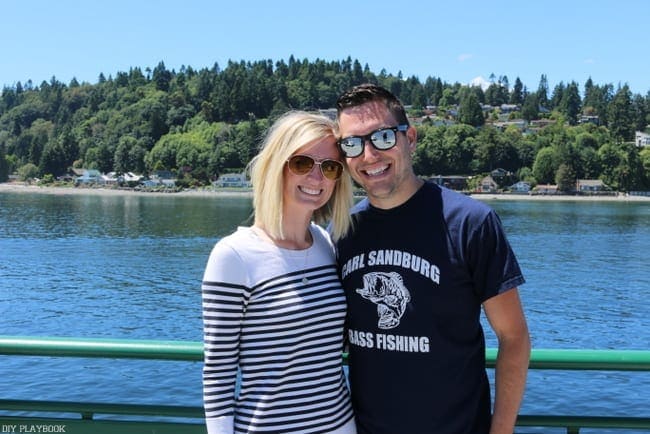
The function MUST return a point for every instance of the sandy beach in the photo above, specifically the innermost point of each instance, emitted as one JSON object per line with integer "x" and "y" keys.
{"x": 18, "y": 187}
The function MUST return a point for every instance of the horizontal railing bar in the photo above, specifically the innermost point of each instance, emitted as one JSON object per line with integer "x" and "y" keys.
{"x": 621, "y": 422}
{"x": 100, "y": 426}
{"x": 571, "y": 359}
{"x": 97, "y": 347}
{"x": 91, "y": 409}
{"x": 566, "y": 359}
{"x": 85, "y": 409}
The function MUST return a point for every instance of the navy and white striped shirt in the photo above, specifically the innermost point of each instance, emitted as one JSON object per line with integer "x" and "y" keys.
{"x": 282, "y": 332}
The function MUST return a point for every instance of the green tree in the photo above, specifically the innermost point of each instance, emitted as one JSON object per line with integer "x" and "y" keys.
{"x": 542, "y": 92}
{"x": 4, "y": 165}
{"x": 640, "y": 113}
{"x": 469, "y": 109}
{"x": 621, "y": 115}
{"x": 161, "y": 77}
{"x": 596, "y": 100}
{"x": 448, "y": 98}
{"x": 28, "y": 172}
{"x": 545, "y": 167}
{"x": 530, "y": 107}
{"x": 496, "y": 94}
{"x": 570, "y": 103}
{"x": 122, "y": 157}
{"x": 53, "y": 160}
{"x": 495, "y": 150}
{"x": 444, "y": 150}
{"x": 644, "y": 157}
{"x": 622, "y": 167}
{"x": 565, "y": 178}
{"x": 517, "y": 94}
{"x": 557, "y": 96}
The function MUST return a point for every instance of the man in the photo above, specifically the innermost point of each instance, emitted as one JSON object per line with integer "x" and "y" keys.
{"x": 418, "y": 265}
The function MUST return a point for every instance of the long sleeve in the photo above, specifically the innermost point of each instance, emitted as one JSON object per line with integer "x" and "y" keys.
{"x": 224, "y": 296}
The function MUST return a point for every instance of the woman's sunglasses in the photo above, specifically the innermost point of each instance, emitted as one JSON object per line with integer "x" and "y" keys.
{"x": 382, "y": 139}
{"x": 303, "y": 164}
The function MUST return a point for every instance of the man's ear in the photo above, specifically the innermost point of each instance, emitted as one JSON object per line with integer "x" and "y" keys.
{"x": 412, "y": 136}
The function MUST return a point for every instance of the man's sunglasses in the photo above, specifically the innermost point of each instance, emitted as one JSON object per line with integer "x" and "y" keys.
{"x": 303, "y": 164}
{"x": 382, "y": 139}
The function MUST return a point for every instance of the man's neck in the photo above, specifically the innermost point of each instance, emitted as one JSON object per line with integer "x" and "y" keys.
{"x": 406, "y": 190}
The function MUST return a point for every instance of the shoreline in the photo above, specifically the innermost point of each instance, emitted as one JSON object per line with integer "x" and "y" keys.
{"x": 21, "y": 188}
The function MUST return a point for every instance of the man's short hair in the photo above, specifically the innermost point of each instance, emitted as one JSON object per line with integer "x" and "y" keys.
{"x": 368, "y": 92}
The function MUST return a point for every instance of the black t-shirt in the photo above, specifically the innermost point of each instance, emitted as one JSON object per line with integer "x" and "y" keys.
{"x": 415, "y": 277}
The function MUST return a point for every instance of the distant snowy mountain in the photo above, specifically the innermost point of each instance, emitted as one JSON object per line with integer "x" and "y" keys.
{"x": 480, "y": 81}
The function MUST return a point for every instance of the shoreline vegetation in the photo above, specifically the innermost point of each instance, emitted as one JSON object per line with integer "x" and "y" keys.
{"x": 20, "y": 187}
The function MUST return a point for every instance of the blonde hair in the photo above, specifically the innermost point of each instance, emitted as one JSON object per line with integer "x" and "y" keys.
{"x": 288, "y": 133}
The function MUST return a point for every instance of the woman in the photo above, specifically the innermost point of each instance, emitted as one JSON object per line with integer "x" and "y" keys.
{"x": 273, "y": 306}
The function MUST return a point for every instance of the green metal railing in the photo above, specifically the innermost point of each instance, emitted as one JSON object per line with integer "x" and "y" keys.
{"x": 181, "y": 419}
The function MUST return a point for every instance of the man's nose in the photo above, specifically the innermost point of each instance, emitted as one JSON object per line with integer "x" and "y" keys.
{"x": 369, "y": 150}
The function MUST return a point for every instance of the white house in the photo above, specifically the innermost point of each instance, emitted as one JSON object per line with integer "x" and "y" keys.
{"x": 545, "y": 189}
{"x": 520, "y": 187}
{"x": 642, "y": 139}
{"x": 232, "y": 180}
{"x": 124, "y": 177}
{"x": 590, "y": 185}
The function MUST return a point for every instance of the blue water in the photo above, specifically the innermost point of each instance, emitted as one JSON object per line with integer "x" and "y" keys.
{"x": 130, "y": 267}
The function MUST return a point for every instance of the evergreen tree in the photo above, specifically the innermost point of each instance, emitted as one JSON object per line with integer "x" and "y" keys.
{"x": 565, "y": 178}
{"x": 596, "y": 100}
{"x": 557, "y": 97}
{"x": 530, "y": 107}
{"x": 640, "y": 113}
{"x": 542, "y": 92}
{"x": 621, "y": 115}
{"x": 161, "y": 77}
{"x": 115, "y": 123}
{"x": 469, "y": 110}
{"x": 4, "y": 165}
{"x": 517, "y": 94}
{"x": 496, "y": 94}
{"x": 570, "y": 103}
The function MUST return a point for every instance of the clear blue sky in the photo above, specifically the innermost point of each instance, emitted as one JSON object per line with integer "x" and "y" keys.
{"x": 457, "y": 40}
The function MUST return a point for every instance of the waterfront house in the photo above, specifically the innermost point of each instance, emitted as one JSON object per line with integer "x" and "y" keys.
{"x": 124, "y": 177}
{"x": 90, "y": 176}
{"x": 164, "y": 177}
{"x": 590, "y": 186}
{"x": 454, "y": 182}
{"x": 488, "y": 185}
{"x": 520, "y": 187}
{"x": 232, "y": 180}
{"x": 545, "y": 189}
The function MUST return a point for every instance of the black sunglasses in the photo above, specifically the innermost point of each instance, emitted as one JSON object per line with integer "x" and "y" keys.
{"x": 303, "y": 164}
{"x": 382, "y": 139}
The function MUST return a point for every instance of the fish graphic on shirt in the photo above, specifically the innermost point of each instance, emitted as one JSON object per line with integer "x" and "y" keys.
{"x": 388, "y": 292}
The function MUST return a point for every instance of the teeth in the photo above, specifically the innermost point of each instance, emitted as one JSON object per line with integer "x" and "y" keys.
{"x": 376, "y": 171}
{"x": 310, "y": 191}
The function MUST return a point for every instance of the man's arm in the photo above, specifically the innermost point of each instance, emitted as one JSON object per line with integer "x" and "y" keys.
{"x": 506, "y": 317}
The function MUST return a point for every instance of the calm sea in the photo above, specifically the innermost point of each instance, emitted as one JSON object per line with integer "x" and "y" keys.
{"x": 130, "y": 267}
